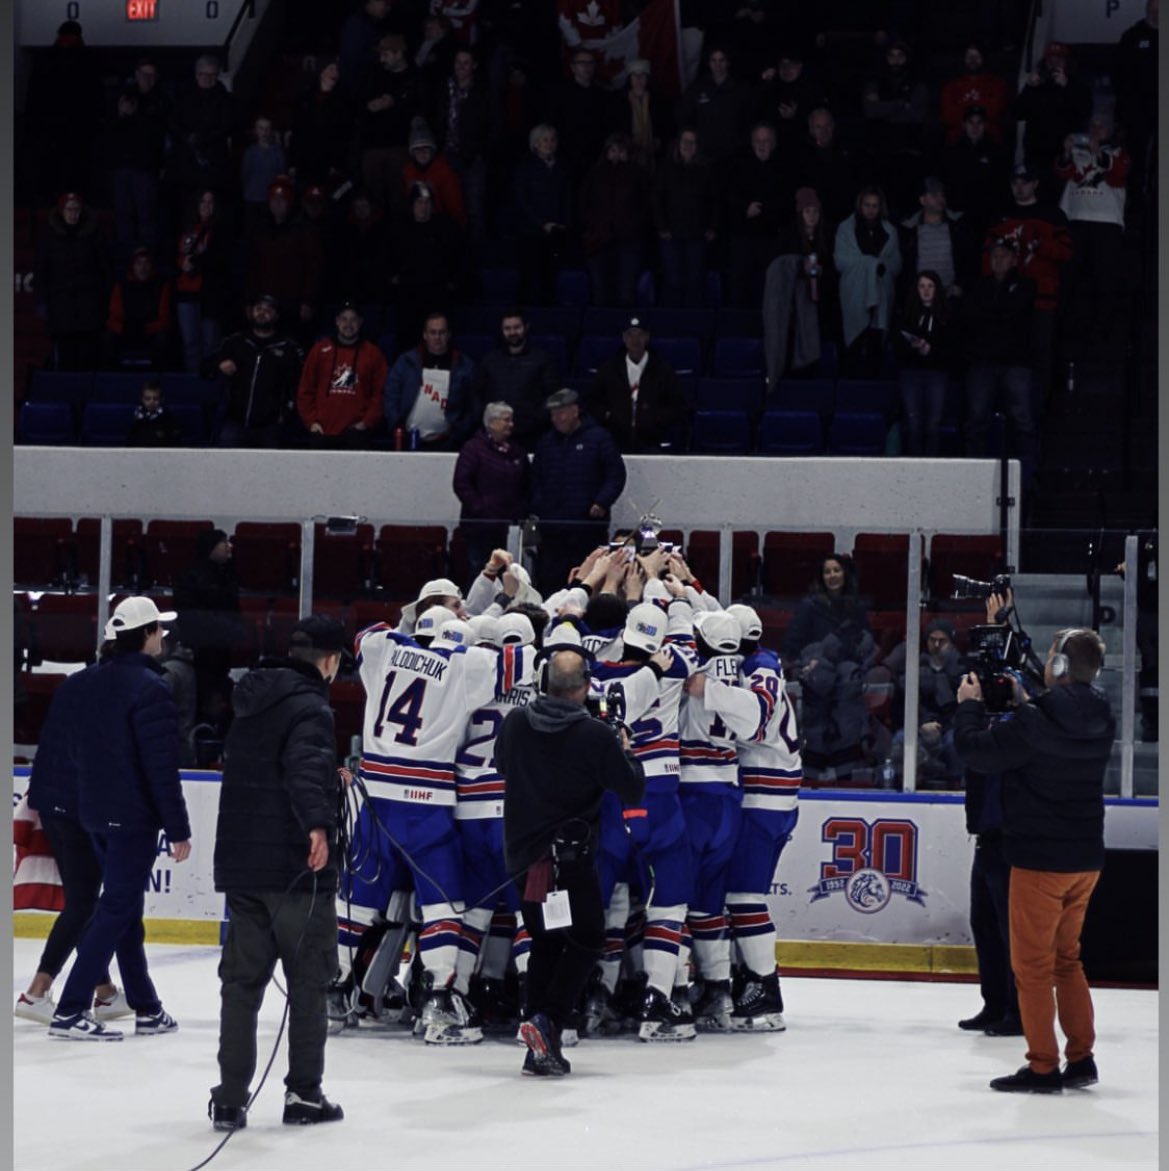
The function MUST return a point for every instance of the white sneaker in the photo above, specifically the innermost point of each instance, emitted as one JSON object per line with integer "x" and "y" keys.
{"x": 112, "y": 1007}
{"x": 81, "y": 1027}
{"x": 35, "y": 1008}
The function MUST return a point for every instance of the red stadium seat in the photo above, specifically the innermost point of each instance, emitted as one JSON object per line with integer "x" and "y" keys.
{"x": 41, "y": 550}
{"x": 408, "y": 556}
{"x": 267, "y": 556}
{"x": 790, "y": 561}
{"x": 171, "y": 547}
{"x": 29, "y": 715}
{"x": 980, "y": 557}
{"x": 66, "y": 627}
{"x": 127, "y": 556}
{"x": 702, "y": 557}
{"x": 881, "y": 561}
{"x": 342, "y": 563}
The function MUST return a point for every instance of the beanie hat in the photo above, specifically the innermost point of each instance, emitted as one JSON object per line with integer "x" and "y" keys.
{"x": 807, "y": 197}
{"x": 420, "y": 134}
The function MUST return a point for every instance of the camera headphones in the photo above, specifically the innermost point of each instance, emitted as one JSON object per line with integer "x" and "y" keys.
{"x": 544, "y": 659}
{"x": 1060, "y": 666}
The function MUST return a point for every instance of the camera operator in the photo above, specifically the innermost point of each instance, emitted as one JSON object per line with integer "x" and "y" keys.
{"x": 557, "y": 763}
{"x": 1053, "y": 753}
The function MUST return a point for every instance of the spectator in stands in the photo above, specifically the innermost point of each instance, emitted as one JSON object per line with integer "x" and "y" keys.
{"x": 72, "y": 282}
{"x": 262, "y": 368}
{"x": 1043, "y": 243}
{"x": 974, "y": 169}
{"x": 686, "y": 215}
{"x": 520, "y": 375}
{"x": 996, "y": 336}
{"x": 362, "y": 256}
{"x": 936, "y": 239}
{"x": 827, "y": 165}
{"x": 1134, "y": 78}
{"x": 580, "y": 110}
{"x": 718, "y": 105}
{"x": 431, "y": 266}
{"x": 178, "y": 665}
{"x": 138, "y": 325}
{"x": 1094, "y": 169}
{"x": 542, "y": 191}
{"x": 389, "y": 101}
{"x": 1053, "y": 103}
{"x": 613, "y": 212}
{"x": 430, "y": 387}
{"x": 63, "y": 104}
{"x": 263, "y": 160}
{"x": 465, "y": 129}
{"x": 926, "y": 343}
{"x": 975, "y": 86}
{"x": 152, "y": 424}
{"x": 642, "y": 115}
{"x": 432, "y": 58}
{"x": 757, "y": 201}
{"x": 201, "y": 285}
{"x": 210, "y": 624}
{"x": 359, "y": 38}
{"x": 790, "y": 93}
{"x": 200, "y": 132}
{"x": 428, "y": 166}
{"x": 339, "y": 398}
{"x": 131, "y": 151}
{"x": 895, "y": 104}
{"x": 577, "y": 476}
{"x": 638, "y": 397}
{"x": 801, "y": 298}
{"x": 868, "y": 257}
{"x": 828, "y": 647}
{"x": 493, "y": 483}
{"x": 940, "y": 670}
{"x": 322, "y": 129}
{"x": 285, "y": 260}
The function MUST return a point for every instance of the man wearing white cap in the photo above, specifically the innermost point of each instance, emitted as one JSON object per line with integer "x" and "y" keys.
{"x": 440, "y": 591}
{"x": 128, "y": 789}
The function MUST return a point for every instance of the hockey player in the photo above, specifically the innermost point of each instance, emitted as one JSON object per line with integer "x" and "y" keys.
{"x": 757, "y": 711}
{"x": 710, "y": 797}
{"x": 417, "y": 697}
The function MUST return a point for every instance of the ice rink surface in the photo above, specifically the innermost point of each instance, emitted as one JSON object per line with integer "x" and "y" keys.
{"x": 871, "y": 1074}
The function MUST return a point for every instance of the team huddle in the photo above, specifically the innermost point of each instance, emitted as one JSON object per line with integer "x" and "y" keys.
{"x": 689, "y": 939}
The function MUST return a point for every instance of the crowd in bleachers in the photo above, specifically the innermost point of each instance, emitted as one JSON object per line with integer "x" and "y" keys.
{"x": 805, "y": 225}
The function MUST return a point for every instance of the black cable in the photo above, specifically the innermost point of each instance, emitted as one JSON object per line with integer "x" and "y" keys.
{"x": 283, "y": 1019}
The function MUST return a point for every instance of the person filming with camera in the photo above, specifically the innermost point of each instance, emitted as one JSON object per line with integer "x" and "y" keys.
{"x": 557, "y": 761}
{"x": 1052, "y": 752}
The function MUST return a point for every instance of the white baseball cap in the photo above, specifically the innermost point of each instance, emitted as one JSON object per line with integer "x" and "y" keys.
{"x": 135, "y": 612}
{"x": 440, "y": 587}
{"x": 429, "y": 624}
{"x": 515, "y": 630}
{"x": 645, "y": 628}
{"x": 719, "y": 630}
{"x": 485, "y": 628}
{"x": 750, "y": 624}
{"x": 454, "y": 632}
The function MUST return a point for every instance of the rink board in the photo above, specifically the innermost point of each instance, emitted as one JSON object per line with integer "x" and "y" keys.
{"x": 868, "y": 881}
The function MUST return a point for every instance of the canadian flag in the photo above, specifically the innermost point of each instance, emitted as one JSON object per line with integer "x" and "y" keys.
{"x": 653, "y": 35}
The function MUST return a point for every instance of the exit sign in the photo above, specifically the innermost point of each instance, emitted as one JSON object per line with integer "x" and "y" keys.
{"x": 141, "y": 9}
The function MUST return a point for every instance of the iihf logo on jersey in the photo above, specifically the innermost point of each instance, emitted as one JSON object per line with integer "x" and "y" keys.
{"x": 870, "y": 863}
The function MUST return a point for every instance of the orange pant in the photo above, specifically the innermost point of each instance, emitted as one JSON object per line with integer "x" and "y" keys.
{"x": 1046, "y": 916}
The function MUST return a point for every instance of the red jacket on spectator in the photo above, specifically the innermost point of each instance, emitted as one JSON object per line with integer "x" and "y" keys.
{"x": 140, "y": 301}
{"x": 445, "y": 187}
{"x": 1043, "y": 243}
{"x": 341, "y": 385}
{"x": 987, "y": 90}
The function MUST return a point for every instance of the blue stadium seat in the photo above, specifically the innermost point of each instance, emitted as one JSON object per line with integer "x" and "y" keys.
{"x": 857, "y": 395}
{"x": 738, "y": 357}
{"x": 828, "y": 364}
{"x": 738, "y": 323}
{"x": 688, "y": 323}
{"x": 728, "y": 394}
{"x": 683, "y": 353}
{"x": 47, "y": 423}
{"x": 646, "y": 288}
{"x": 475, "y": 345}
{"x": 857, "y": 433}
{"x": 387, "y": 342}
{"x": 183, "y": 389}
{"x": 712, "y": 289}
{"x": 106, "y": 424}
{"x": 475, "y": 319}
{"x": 572, "y": 287}
{"x": 117, "y": 386}
{"x": 60, "y": 386}
{"x": 791, "y": 433}
{"x": 192, "y": 422}
{"x": 556, "y": 344}
{"x": 721, "y": 432}
{"x": 499, "y": 286}
{"x": 561, "y": 319}
{"x": 805, "y": 394}
{"x": 594, "y": 350}
{"x": 607, "y": 319}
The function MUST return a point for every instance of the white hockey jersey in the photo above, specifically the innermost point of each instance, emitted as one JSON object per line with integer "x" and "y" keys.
{"x": 706, "y": 745}
{"x": 416, "y": 707}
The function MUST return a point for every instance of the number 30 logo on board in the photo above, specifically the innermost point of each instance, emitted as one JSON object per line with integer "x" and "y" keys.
{"x": 870, "y": 863}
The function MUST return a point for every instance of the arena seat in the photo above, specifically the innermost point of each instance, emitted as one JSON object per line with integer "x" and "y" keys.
{"x": 66, "y": 627}
{"x": 859, "y": 395}
{"x": 790, "y": 433}
{"x": 407, "y": 556}
{"x": 106, "y": 424}
{"x": 738, "y": 357}
{"x": 684, "y": 354}
{"x": 556, "y": 344}
{"x": 790, "y": 561}
{"x": 572, "y": 287}
{"x": 347, "y": 699}
{"x": 702, "y": 546}
{"x": 48, "y": 424}
{"x": 728, "y": 394}
{"x": 267, "y": 556}
{"x": 980, "y": 557}
{"x": 805, "y": 394}
{"x": 857, "y": 434}
{"x": 41, "y": 550}
{"x": 59, "y": 386}
{"x": 117, "y": 386}
{"x": 882, "y": 566}
{"x": 342, "y": 563}
{"x": 127, "y": 566}
{"x": 720, "y": 432}
{"x": 593, "y": 351}
{"x": 170, "y": 548}
{"x": 28, "y": 717}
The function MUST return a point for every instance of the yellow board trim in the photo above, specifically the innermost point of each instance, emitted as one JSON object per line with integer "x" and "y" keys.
{"x": 36, "y": 925}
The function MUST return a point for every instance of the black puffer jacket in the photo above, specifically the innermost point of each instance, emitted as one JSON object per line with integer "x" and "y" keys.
{"x": 72, "y": 274}
{"x": 1053, "y": 754}
{"x": 279, "y": 782}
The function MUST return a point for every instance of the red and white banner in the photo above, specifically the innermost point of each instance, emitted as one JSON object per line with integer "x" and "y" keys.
{"x": 653, "y": 36}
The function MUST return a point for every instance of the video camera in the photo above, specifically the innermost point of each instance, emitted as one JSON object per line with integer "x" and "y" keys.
{"x": 608, "y": 707}
{"x": 969, "y": 587}
{"x": 996, "y": 660}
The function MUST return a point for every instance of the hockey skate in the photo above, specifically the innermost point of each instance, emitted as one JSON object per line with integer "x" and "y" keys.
{"x": 712, "y": 1013}
{"x": 544, "y": 1058}
{"x": 759, "y": 1007}
{"x": 662, "y": 1019}
{"x": 341, "y": 1006}
{"x": 600, "y": 1019}
{"x": 446, "y": 1019}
